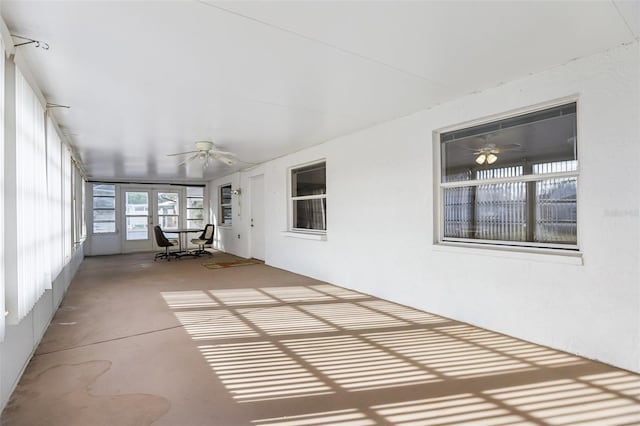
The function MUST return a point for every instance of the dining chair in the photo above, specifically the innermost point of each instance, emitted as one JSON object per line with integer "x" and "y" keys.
{"x": 205, "y": 238}
{"x": 163, "y": 241}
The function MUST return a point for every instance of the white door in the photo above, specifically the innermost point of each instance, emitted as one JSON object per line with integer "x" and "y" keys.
{"x": 137, "y": 220}
{"x": 144, "y": 208}
{"x": 257, "y": 217}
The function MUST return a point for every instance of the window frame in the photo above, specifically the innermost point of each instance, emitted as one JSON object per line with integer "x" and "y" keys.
{"x": 222, "y": 206}
{"x": 523, "y": 246}
{"x": 187, "y": 208}
{"x": 291, "y": 199}
{"x": 115, "y": 208}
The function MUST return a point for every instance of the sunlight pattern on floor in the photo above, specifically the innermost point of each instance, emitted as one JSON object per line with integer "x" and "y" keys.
{"x": 188, "y": 299}
{"x": 529, "y": 352}
{"x": 408, "y": 314}
{"x": 296, "y": 294}
{"x": 352, "y": 317}
{"x": 446, "y": 355}
{"x": 617, "y": 381}
{"x": 285, "y": 320}
{"x": 355, "y": 364}
{"x": 349, "y": 417}
{"x": 464, "y": 409}
{"x": 569, "y": 402}
{"x": 339, "y": 292}
{"x": 216, "y": 324}
{"x": 260, "y": 371}
{"x": 242, "y": 296}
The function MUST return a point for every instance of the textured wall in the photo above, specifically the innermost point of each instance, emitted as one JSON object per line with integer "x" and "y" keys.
{"x": 380, "y": 219}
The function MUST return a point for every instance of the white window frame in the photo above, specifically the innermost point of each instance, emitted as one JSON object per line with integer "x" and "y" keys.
{"x": 187, "y": 208}
{"x": 115, "y": 206}
{"x": 292, "y": 199}
{"x": 439, "y": 187}
{"x": 222, "y": 206}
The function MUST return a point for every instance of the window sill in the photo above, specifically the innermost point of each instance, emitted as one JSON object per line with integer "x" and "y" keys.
{"x": 305, "y": 235}
{"x": 521, "y": 253}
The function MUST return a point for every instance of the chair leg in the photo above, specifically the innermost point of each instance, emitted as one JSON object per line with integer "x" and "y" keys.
{"x": 201, "y": 250}
{"x": 166, "y": 255}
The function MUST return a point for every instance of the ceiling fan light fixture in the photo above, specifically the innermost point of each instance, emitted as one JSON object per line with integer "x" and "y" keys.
{"x": 480, "y": 159}
{"x": 491, "y": 158}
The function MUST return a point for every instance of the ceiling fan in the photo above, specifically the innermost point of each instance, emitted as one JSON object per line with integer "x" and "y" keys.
{"x": 206, "y": 150}
{"x": 488, "y": 152}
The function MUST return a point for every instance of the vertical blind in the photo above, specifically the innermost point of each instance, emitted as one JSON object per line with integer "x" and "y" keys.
{"x": 33, "y": 257}
{"x": 67, "y": 229}
{"x": 41, "y": 193}
{"x": 55, "y": 198}
{"x": 2, "y": 307}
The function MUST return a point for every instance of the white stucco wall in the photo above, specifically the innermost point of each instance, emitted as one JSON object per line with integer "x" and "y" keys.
{"x": 380, "y": 219}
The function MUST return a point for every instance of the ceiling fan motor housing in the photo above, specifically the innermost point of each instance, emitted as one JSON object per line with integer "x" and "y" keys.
{"x": 204, "y": 145}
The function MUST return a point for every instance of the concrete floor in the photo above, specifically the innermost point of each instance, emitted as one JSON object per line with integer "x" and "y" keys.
{"x": 174, "y": 343}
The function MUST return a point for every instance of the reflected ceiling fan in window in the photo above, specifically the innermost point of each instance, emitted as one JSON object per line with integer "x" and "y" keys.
{"x": 488, "y": 152}
{"x": 205, "y": 151}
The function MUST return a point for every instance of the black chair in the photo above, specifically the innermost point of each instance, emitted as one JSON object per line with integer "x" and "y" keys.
{"x": 205, "y": 238}
{"x": 163, "y": 241}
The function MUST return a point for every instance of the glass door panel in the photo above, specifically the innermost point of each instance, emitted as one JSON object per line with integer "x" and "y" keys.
{"x": 168, "y": 210}
{"x": 137, "y": 215}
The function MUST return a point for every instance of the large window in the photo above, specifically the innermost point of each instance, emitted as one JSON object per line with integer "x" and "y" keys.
{"x": 104, "y": 208}
{"x": 512, "y": 181}
{"x": 195, "y": 207}
{"x": 308, "y": 201}
{"x": 225, "y": 206}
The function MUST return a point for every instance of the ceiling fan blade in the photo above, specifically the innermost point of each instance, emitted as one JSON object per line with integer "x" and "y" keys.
{"x": 470, "y": 148}
{"x": 193, "y": 157}
{"x": 510, "y": 146}
{"x": 225, "y": 153}
{"x": 181, "y": 153}
{"x": 226, "y": 160}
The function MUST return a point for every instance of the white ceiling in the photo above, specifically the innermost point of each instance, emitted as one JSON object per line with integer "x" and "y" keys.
{"x": 263, "y": 79}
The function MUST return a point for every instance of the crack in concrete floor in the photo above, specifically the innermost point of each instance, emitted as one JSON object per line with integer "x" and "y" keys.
{"x": 66, "y": 388}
